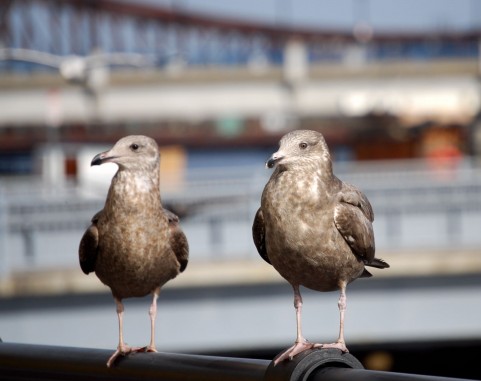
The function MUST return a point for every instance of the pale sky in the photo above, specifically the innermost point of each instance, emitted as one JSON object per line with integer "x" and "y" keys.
{"x": 391, "y": 15}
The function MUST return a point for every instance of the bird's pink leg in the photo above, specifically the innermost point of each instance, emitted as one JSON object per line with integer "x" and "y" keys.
{"x": 153, "y": 315}
{"x": 342, "y": 304}
{"x": 301, "y": 343}
{"x": 122, "y": 349}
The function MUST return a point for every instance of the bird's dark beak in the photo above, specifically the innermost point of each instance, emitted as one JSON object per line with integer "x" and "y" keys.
{"x": 273, "y": 160}
{"x": 99, "y": 159}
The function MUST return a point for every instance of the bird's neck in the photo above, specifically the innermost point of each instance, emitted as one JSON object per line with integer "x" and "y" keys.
{"x": 306, "y": 184}
{"x": 310, "y": 168}
{"x": 134, "y": 187}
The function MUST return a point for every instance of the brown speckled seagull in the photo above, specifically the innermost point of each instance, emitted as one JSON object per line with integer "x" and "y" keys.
{"x": 313, "y": 228}
{"x": 133, "y": 244}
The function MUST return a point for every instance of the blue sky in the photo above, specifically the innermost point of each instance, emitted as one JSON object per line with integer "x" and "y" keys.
{"x": 391, "y": 15}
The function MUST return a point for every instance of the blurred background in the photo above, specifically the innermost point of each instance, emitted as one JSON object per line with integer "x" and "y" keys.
{"x": 393, "y": 86}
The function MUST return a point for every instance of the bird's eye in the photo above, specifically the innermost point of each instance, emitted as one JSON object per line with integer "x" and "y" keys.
{"x": 134, "y": 147}
{"x": 303, "y": 145}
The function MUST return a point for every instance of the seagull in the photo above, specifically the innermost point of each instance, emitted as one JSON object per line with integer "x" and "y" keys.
{"x": 133, "y": 244}
{"x": 313, "y": 228}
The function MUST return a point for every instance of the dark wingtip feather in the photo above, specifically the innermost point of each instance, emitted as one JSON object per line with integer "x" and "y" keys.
{"x": 378, "y": 263}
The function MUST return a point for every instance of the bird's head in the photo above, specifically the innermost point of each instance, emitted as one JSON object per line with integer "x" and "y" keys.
{"x": 131, "y": 152}
{"x": 301, "y": 148}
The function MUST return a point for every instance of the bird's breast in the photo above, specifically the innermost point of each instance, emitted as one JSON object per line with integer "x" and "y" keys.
{"x": 134, "y": 251}
{"x": 302, "y": 241}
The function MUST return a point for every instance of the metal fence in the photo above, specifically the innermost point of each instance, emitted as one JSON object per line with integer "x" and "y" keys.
{"x": 416, "y": 207}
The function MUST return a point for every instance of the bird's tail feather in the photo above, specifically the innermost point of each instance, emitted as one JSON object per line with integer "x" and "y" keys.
{"x": 378, "y": 263}
{"x": 365, "y": 274}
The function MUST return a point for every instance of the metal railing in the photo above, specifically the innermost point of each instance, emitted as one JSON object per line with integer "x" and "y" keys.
{"x": 415, "y": 208}
{"x": 39, "y": 362}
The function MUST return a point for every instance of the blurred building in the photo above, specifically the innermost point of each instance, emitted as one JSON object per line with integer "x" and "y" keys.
{"x": 75, "y": 72}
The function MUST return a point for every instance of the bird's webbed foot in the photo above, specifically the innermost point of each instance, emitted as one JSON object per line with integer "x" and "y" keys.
{"x": 123, "y": 350}
{"x": 337, "y": 345}
{"x": 148, "y": 348}
{"x": 298, "y": 347}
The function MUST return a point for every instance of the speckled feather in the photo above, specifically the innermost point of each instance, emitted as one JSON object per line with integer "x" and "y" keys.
{"x": 313, "y": 228}
{"x": 133, "y": 244}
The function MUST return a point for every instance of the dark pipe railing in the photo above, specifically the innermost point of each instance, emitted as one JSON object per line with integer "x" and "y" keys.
{"x": 42, "y": 362}
{"x": 332, "y": 365}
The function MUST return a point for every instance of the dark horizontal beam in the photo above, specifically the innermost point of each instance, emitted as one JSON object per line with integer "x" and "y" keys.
{"x": 42, "y": 362}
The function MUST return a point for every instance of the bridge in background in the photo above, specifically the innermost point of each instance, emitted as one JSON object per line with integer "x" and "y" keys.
{"x": 175, "y": 65}
{"x": 76, "y": 27}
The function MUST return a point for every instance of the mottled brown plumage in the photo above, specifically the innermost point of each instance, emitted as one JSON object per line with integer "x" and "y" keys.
{"x": 313, "y": 228}
{"x": 134, "y": 245}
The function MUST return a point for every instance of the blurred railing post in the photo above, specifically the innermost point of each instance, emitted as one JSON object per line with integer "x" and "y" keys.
{"x": 4, "y": 265}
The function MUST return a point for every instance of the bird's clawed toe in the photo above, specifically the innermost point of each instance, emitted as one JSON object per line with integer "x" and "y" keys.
{"x": 148, "y": 348}
{"x": 117, "y": 353}
{"x": 297, "y": 348}
{"x": 337, "y": 345}
{"x": 123, "y": 351}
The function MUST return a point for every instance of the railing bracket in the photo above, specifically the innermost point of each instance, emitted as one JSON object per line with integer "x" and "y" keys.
{"x": 302, "y": 365}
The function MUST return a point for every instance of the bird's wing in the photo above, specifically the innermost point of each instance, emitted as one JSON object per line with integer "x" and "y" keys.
{"x": 89, "y": 245}
{"x": 353, "y": 216}
{"x": 259, "y": 235}
{"x": 178, "y": 240}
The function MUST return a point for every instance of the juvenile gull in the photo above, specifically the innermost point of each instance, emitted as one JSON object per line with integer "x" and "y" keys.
{"x": 133, "y": 244}
{"x": 313, "y": 228}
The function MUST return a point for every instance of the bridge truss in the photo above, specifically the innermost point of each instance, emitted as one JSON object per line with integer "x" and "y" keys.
{"x": 78, "y": 27}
